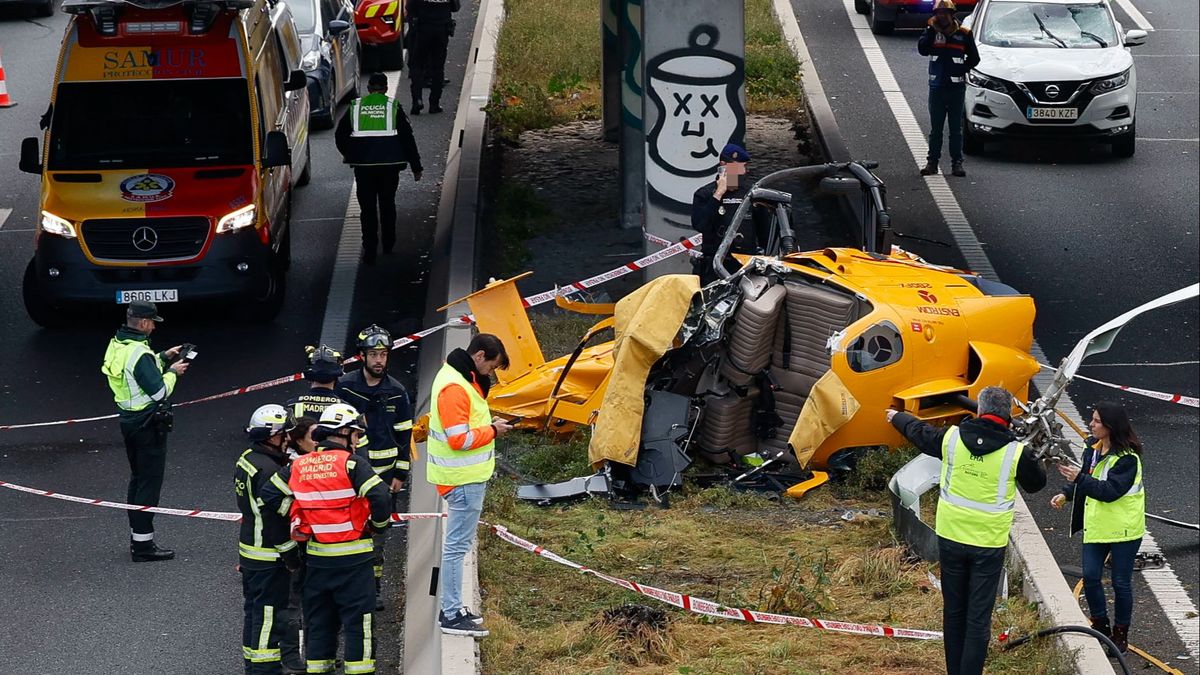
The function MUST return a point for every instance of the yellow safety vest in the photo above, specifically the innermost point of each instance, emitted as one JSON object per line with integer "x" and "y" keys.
{"x": 120, "y": 359}
{"x": 978, "y": 493}
{"x": 447, "y": 466}
{"x": 1120, "y": 520}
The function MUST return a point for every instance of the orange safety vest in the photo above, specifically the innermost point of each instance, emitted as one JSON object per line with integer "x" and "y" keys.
{"x": 326, "y": 508}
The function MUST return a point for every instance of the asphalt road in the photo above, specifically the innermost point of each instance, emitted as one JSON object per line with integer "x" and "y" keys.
{"x": 1088, "y": 235}
{"x": 72, "y": 600}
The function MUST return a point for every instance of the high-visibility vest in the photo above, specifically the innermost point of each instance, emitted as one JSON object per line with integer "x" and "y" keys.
{"x": 1120, "y": 520}
{"x": 120, "y": 359}
{"x": 447, "y": 466}
{"x": 373, "y": 115}
{"x": 327, "y": 511}
{"x": 978, "y": 493}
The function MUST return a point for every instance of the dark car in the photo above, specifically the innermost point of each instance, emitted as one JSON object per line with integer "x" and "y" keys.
{"x": 36, "y": 7}
{"x": 885, "y": 14}
{"x": 331, "y": 55}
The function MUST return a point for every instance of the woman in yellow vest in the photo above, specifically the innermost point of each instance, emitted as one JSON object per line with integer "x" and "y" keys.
{"x": 1111, "y": 513}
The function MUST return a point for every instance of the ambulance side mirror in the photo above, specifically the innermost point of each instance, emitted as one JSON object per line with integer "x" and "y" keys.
{"x": 296, "y": 81}
{"x": 276, "y": 153}
{"x": 31, "y": 157}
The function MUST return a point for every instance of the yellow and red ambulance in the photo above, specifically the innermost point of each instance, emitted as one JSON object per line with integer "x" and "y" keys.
{"x": 174, "y": 138}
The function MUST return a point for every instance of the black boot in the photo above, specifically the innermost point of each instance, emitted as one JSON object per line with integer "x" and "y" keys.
{"x": 417, "y": 107}
{"x": 930, "y": 168}
{"x": 148, "y": 551}
{"x": 435, "y": 104}
{"x": 957, "y": 169}
{"x": 1120, "y": 637}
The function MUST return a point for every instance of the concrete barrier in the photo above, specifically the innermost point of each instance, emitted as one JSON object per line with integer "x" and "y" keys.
{"x": 426, "y": 650}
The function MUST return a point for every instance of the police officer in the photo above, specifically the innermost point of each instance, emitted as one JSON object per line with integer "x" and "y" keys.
{"x": 982, "y": 463}
{"x": 322, "y": 370}
{"x": 376, "y": 139}
{"x": 952, "y": 54}
{"x": 432, "y": 24}
{"x": 713, "y": 208}
{"x": 336, "y": 502}
{"x": 142, "y": 383}
{"x": 386, "y": 405}
{"x": 262, "y": 545}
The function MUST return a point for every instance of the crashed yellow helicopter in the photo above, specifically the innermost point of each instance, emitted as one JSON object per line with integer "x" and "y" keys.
{"x": 790, "y": 360}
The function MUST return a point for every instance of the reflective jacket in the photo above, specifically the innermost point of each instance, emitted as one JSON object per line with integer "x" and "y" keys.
{"x": 261, "y": 540}
{"x": 951, "y": 57}
{"x": 375, "y": 132}
{"x": 977, "y": 493}
{"x": 461, "y": 451}
{"x": 330, "y": 498}
{"x": 312, "y": 403}
{"x": 1109, "y": 499}
{"x": 389, "y": 421}
{"x": 136, "y": 375}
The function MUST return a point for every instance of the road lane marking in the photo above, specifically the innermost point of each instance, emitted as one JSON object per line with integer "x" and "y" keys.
{"x": 1163, "y": 582}
{"x": 1170, "y": 140}
{"x": 4, "y": 214}
{"x": 1139, "y": 364}
{"x": 1134, "y": 14}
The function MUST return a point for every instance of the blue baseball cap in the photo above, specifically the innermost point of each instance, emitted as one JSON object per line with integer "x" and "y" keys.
{"x": 733, "y": 152}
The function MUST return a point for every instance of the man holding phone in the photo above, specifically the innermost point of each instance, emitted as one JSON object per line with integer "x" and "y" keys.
{"x": 461, "y": 448}
{"x": 142, "y": 382}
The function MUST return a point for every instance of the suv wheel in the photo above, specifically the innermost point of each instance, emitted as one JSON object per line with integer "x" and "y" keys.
{"x": 39, "y": 309}
{"x": 878, "y": 26}
{"x": 862, "y": 7}
{"x": 1125, "y": 144}
{"x": 44, "y": 9}
{"x": 325, "y": 120}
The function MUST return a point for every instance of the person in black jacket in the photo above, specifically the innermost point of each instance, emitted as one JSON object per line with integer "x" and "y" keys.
{"x": 431, "y": 23}
{"x": 1109, "y": 506}
{"x": 388, "y": 411}
{"x": 952, "y": 54}
{"x": 269, "y": 635}
{"x": 973, "y": 521}
{"x": 377, "y": 140}
{"x": 713, "y": 208}
{"x": 322, "y": 369}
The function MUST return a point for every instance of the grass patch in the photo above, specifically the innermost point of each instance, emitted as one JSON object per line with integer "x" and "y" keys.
{"x": 548, "y": 65}
{"x": 737, "y": 549}
{"x": 519, "y": 215}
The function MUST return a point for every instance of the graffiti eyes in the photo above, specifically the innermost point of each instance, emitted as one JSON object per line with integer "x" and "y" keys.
{"x": 710, "y": 105}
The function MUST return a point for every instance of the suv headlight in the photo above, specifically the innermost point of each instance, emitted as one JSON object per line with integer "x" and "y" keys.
{"x": 52, "y": 224}
{"x": 1110, "y": 83}
{"x": 978, "y": 79}
{"x": 243, "y": 217}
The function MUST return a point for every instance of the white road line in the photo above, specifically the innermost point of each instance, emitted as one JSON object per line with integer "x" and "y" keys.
{"x": 336, "y": 324}
{"x": 1170, "y": 140}
{"x": 1134, "y": 14}
{"x": 1166, "y": 56}
{"x": 1138, "y": 364}
{"x": 1164, "y": 583}
{"x": 4, "y": 214}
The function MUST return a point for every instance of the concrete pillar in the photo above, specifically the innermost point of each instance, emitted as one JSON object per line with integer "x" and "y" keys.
{"x": 694, "y": 104}
{"x": 632, "y": 138}
{"x": 610, "y": 69}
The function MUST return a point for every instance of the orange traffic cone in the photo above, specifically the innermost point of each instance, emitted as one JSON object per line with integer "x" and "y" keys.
{"x": 5, "y": 100}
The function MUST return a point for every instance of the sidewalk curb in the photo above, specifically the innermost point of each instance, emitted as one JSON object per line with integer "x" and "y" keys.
{"x": 455, "y": 256}
{"x": 1042, "y": 581}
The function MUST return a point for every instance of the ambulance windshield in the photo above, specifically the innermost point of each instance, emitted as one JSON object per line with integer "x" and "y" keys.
{"x": 150, "y": 124}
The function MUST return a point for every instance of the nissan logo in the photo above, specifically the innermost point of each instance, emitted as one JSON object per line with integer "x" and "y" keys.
{"x": 145, "y": 239}
{"x": 1052, "y": 91}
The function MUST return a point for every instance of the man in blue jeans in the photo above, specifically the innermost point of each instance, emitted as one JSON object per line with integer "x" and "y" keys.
{"x": 952, "y": 54}
{"x": 461, "y": 448}
{"x": 982, "y": 463}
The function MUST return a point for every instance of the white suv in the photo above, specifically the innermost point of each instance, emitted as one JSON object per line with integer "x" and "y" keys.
{"x": 1051, "y": 68}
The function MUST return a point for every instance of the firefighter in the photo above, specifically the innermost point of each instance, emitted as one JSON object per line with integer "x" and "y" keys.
{"x": 376, "y": 139}
{"x": 141, "y": 382}
{"x": 336, "y": 503}
{"x": 386, "y": 405}
{"x": 431, "y": 23}
{"x": 322, "y": 370}
{"x": 262, "y": 545}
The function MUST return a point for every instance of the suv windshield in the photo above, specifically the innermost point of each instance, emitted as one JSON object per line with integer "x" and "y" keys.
{"x": 1048, "y": 25}
{"x": 150, "y": 123}
{"x": 304, "y": 14}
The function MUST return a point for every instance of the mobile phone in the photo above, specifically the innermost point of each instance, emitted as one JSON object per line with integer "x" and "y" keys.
{"x": 720, "y": 171}
{"x": 188, "y": 352}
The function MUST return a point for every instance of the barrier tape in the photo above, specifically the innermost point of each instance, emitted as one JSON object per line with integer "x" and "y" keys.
{"x": 655, "y": 239}
{"x": 464, "y": 320}
{"x": 709, "y": 608}
{"x": 1190, "y": 401}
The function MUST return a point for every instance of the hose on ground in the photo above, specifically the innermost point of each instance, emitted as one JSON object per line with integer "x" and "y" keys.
{"x": 1054, "y": 630}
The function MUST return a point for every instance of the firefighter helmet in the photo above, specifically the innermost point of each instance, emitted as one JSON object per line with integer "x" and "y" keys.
{"x": 341, "y": 416}
{"x": 267, "y": 421}
{"x": 324, "y": 364}
{"x": 374, "y": 337}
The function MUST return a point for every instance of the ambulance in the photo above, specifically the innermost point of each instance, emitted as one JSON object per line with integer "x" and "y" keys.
{"x": 175, "y": 135}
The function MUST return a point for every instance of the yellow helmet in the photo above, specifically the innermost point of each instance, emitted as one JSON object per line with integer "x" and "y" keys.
{"x": 944, "y": 4}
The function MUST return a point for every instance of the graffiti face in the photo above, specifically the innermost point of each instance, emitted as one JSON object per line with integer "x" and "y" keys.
{"x": 695, "y": 93}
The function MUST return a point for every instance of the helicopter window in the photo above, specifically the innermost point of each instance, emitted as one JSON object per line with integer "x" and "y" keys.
{"x": 878, "y": 346}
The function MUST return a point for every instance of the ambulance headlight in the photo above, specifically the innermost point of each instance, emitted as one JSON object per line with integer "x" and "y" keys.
{"x": 243, "y": 217}
{"x": 52, "y": 224}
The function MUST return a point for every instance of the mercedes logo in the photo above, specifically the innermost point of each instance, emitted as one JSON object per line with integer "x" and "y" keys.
{"x": 1052, "y": 91}
{"x": 145, "y": 239}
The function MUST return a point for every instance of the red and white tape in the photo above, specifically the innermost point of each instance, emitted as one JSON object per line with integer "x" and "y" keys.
{"x": 714, "y": 609}
{"x": 1190, "y": 401}
{"x": 194, "y": 513}
{"x": 655, "y": 239}
{"x": 464, "y": 320}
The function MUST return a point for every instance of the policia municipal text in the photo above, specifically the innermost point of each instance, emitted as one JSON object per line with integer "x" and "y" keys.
{"x": 981, "y": 465}
{"x": 141, "y": 383}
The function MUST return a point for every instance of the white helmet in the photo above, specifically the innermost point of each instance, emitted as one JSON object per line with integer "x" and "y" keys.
{"x": 340, "y": 416}
{"x": 267, "y": 421}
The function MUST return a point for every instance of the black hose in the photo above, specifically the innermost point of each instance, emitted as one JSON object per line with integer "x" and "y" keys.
{"x": 1104, "y": 640}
